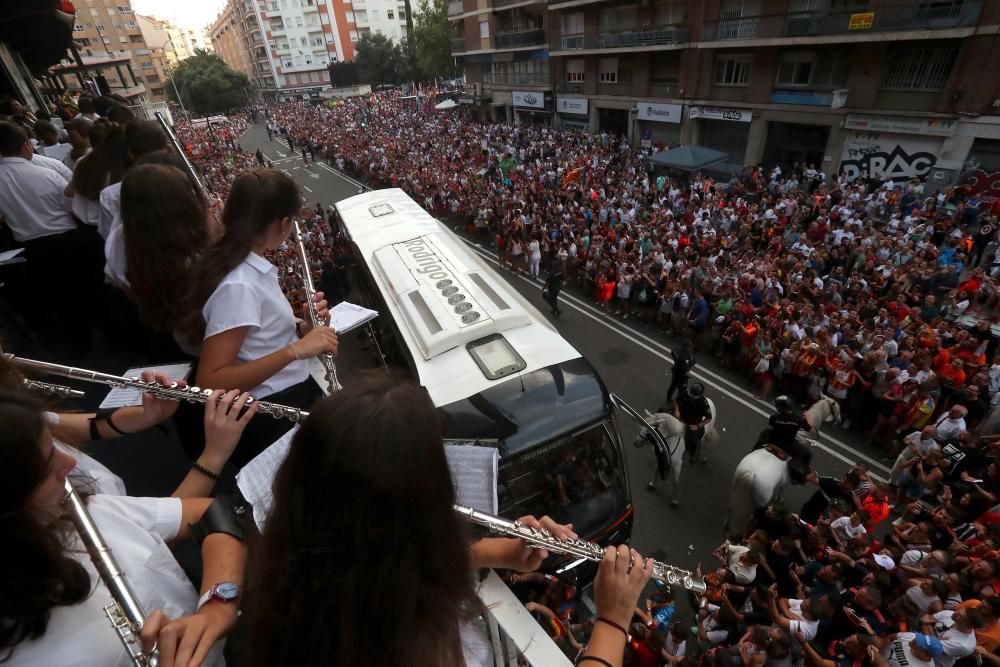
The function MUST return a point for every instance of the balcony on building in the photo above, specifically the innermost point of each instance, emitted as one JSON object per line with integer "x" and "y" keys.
{"x": 740, "y": 20}
{"x": 507, "y": 80}
{"x": 457, "y": 44}
{"x": 662, "y": 36}
{"x": 519, "y": 27}
{"x": 455, "y": 8}
{"x": 509, "y": 39}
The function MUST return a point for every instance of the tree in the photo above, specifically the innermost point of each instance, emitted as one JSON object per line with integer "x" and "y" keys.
{"x": 432, "y": 35}
{"x": 378, "y": 59}
{"x": 208, "y": 85}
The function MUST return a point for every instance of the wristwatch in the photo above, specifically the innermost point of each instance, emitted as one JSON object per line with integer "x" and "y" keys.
{"x": 224, "y": 591}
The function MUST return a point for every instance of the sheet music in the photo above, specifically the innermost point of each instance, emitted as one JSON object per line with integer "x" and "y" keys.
{"x": 10, "y": 254}
{"x": 347, "y": 316}
{"x": 474, "y": 474}
{"x": 123, "y": 397}
{"x": 473, "y": 471}
{"x": 256, "y": 478}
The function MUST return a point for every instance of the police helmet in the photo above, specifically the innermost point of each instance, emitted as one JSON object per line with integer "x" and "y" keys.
{"x": 783, "y": 403}
{"x": 696, "y": 390}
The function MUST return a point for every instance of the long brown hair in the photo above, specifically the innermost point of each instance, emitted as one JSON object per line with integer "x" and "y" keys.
{"x": 38, "y": 574}
{"x": 258, "y": 198}
{"x": 163, "y": 214}
{"x": 362, "y": 557}
{"x": 115, "y": 148}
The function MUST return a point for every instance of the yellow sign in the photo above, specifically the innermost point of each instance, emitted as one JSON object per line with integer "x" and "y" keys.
{"x": 861, "y": 21}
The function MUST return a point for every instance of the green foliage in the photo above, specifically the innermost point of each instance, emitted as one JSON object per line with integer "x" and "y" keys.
{"x": 432, "y": 36}
{"x": 208, "y": 85}
{"x": 379, "y": 60}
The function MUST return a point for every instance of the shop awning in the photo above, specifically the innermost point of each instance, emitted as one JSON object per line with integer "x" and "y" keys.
{"x": 689, "y": 158}
{"x": 447, "y": 104}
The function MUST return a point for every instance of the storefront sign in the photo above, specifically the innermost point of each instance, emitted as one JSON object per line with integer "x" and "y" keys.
{"x": 662, "y": 113}
{"x": 529, "y": 99}
{"x": 577, "y": 105}
{"x": 861, "y": 21}
{"x": 883, "y": 156}
{"x": 935, "y": 127}
{"x": 721, "y": 113}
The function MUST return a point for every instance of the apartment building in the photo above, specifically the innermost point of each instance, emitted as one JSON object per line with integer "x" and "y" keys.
{"x": 166, "y": 49}
{"x": 110, "y": 49}
{"x": 285, "y": 46}
{"x": 879, "y": 86}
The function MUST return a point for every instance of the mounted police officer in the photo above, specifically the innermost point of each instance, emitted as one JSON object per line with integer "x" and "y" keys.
{"x": 782, "y": 431}
{"x": 693, "y": 410}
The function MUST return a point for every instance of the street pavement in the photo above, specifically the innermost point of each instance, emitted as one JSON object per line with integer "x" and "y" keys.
{"x": 633, "y": 360}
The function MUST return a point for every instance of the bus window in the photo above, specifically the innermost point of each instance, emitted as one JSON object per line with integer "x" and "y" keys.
{"x": 577, "y": 479}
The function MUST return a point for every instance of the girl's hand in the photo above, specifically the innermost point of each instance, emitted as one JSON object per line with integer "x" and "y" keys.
{"x": 620, "y": 579}
{"x": 322, "y": 312}
{"x": 155, "y": 410}
{"x": 528, "y": 558}
{"x": 316, "y": 342}
{"x": 224, "y": 423}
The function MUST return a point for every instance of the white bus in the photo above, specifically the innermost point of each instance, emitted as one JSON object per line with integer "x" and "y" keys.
{"x": 493, "y": 365}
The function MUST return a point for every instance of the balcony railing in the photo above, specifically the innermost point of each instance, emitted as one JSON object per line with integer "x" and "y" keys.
{"x": 512, "y": 38}
{"x": 497, "y": 4}
{"x": 664, "y": 88}
{"x": 458, "y": 44}
{"x": 455, "y": 8}
{"x": 885, "y": 16}
{"x": 517, "y": 79}
{"x": 665, "y": 35}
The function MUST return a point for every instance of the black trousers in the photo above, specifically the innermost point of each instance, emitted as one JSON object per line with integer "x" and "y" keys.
{"x": 67, "y": 270}
{"x": 678, "y": 381}
{"x": 692, "y": 442}
{"x": 262, "y": 430}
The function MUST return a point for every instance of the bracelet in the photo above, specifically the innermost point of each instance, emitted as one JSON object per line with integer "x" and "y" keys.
{"x": 205, "y": 471}
{"x": 295, "y": 352}
{"x": 107, "y": 418}
{"x": 594, "y": 658}
{"x": 601, "y": 619}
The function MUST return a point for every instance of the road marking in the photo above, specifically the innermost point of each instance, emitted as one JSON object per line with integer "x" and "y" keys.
{"x": 286, "y": 171}
{"x": 307, "y": 188}
{"x": 702, "y": 374}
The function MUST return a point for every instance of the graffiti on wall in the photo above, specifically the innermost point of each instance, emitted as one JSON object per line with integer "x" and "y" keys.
{"x": 985, "y": 186}
{"x": 883, "y": 156}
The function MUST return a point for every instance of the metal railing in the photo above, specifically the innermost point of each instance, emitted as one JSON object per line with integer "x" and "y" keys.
{"x": 458, "y": 44}
{"x": 497, "y": 4}
{"x": 632, "y": 38}
{"x": 517, "y": 79}
{"x": 512, "y": 38}
{"x": 455, "y": 8}
{"x": 884, "y": 16}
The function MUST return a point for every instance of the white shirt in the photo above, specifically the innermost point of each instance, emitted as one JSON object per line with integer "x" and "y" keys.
{"x": 53, "y": 164}
{"x": 843, "y": 526}
{"x": 32, "y": 200}
{"x": 956, "y": 644}
{"x": 899, "y": 654}
{"x": 249, "y": 296}
{"x": 88, "y": 210}
{"x": 136, "y": 530}
{"x": 742, "y": 574}
{"x": 949, "y": 428}
{"x": 807, "y": 627}
{"x": 111, "y": 208}
{"x": 116, "y": 268}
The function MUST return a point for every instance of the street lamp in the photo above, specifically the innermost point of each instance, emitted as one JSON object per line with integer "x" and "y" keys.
{"x": 173, "y": 83}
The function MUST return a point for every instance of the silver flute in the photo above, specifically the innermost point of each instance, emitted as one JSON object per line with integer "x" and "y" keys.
{"x": 332, "y": 383}
{"x": 668, "y": 574}
{"x": 173, "y": 391}
{"x": 49, "y": 389}
{"x": 125, "y": 611}
{"x": 175, "y": 142}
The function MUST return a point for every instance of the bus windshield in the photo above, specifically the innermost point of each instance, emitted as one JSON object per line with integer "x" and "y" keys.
{"x": 576, "y": 479}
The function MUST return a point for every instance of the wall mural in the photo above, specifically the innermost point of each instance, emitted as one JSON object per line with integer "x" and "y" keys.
{"x": 882, "y": 156}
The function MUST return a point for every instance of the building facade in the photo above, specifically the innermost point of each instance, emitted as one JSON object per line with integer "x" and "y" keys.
{"x": 285, "y": 46}
{"x": 886, "y": 87}
{"x": 108, "y": 38}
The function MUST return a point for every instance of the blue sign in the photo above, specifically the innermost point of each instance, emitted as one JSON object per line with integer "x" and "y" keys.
{"x": 647, "y": 133}
{"x": 806, "y": 97}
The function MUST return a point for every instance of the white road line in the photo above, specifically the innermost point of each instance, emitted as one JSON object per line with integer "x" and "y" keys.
{"x": 286, "y": 171}
{"x": 702, "y": 374}
{"x": 306, "y": 187}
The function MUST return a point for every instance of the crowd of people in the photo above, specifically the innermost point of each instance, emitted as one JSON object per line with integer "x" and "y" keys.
{"x": 875, "y": 294}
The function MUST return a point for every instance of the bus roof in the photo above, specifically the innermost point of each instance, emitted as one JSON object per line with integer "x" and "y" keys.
{"x": 443, "y": 296}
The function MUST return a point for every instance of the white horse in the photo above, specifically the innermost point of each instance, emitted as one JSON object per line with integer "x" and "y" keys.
{"x": 669, "y": 463}
{"x": 762, "y": 474}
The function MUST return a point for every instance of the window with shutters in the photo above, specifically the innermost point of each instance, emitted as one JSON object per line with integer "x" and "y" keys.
{"x": 733, "y": 70}
{"x": 918, "y": 68}
{"x": 575, "y": 68}
{"x": 608, "y": 70}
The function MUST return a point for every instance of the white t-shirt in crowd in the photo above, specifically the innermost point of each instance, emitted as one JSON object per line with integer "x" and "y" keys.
{"x": 742, "y": 574}
{"x": 806, "y": 627}
{"x": 136, "y": 530}
{"x": 250, "y": 296}
{"x": 53, "y": 164}
{"x": 956, "y": 644}
{"x": 899, "y": 654}
{"x": 845, "y": 530}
